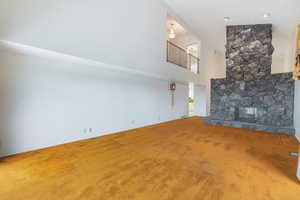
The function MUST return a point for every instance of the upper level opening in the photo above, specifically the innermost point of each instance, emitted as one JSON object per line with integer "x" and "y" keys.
{"x": 183, "y": 49}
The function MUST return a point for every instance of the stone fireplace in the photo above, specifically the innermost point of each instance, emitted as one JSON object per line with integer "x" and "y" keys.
{"x": 250, "y": 96}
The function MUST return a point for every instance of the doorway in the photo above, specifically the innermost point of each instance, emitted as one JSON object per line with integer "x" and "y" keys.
{"x": 191, "y": 106}
{"x": 193, "y": 55}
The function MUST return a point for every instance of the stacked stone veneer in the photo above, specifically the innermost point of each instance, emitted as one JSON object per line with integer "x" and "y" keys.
{"x": 249, "y": 84}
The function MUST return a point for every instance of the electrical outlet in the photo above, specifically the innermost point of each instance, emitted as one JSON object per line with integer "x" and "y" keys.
{"x": 85, "y": 130}
{"x": 90, "y": 130}
{"x": 132, "y": 122}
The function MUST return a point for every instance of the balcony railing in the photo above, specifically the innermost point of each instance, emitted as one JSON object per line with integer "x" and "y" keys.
{"x": 182, "y": 58}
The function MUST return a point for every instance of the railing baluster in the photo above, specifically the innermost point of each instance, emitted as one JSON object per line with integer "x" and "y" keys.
{"x": 181, "y": 57}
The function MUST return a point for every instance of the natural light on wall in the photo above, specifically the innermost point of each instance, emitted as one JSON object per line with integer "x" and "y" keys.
{"x": 297, "y": 65}
{"x": 182, "y": 46}
{"x": 172, "y": 34}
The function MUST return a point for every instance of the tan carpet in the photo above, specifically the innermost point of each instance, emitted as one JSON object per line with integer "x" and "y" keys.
{"x": 182, "y": 159}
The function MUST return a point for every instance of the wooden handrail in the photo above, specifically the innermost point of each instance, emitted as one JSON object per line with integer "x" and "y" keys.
{"x": 194, "y": 56}
{"x": 175, "y": 45}
{"x": 185, "y": 50}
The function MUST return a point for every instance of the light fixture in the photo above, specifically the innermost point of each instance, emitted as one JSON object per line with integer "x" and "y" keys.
{"x": 172, "y": 34}
{"x": 173, "y": 86}
{"x": 267, "y": 15}
{"x": 226, "y": 19}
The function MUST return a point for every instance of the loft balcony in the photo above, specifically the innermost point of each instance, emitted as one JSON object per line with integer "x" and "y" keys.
{"x": 183, "y": 48}
{"x": 182, "y": 58}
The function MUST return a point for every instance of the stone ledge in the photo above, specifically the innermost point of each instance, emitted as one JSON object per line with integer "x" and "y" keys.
{"x": 250, "y": 126}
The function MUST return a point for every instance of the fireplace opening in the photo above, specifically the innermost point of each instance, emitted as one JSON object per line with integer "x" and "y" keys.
{"x": 246, "y": 114}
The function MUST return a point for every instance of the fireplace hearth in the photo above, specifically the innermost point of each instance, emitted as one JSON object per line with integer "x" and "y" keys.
{"x": 250, "y": 96}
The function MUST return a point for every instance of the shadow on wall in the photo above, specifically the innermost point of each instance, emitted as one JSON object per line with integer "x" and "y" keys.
{"x": 48, "y": 102}
{"x": 16, "y": 17}
{"x": 9, "y": 100}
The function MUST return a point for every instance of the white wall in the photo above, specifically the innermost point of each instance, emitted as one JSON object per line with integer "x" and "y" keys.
{"x": 200, "y": 101}
{"x": 297, "y": 118}
{"x": 284, "y": 54}
{"x": 185, "y": 39}
{"x": 46, "y": 102}
{"x": 297, "y": 110}
{"x": 116, "y": 32}
{"x": 209, "y": 66}
{"x": 127, "y": 33}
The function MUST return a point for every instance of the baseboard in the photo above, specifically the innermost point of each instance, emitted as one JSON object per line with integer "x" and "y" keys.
{"x": 298, "y": 138}
{"x": 70, "y": 141}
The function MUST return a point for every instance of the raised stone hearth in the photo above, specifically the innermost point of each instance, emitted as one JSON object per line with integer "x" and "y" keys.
{"x": 251, "y": 126}
{"x": 250, "y": 96}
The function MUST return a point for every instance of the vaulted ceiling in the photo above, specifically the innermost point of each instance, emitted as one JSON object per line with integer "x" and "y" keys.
{"x": 206, "y": 17}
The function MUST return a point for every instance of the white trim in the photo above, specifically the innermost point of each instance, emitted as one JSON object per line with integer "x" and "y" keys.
{"x": 48, "y": 54}
{"x": 297, "y": 137}
{"x": 44, "y": 53}
{"x": 298, "y": 170}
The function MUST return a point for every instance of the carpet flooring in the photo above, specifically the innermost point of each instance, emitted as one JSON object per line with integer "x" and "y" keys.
{"x": 178, "y": 160}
